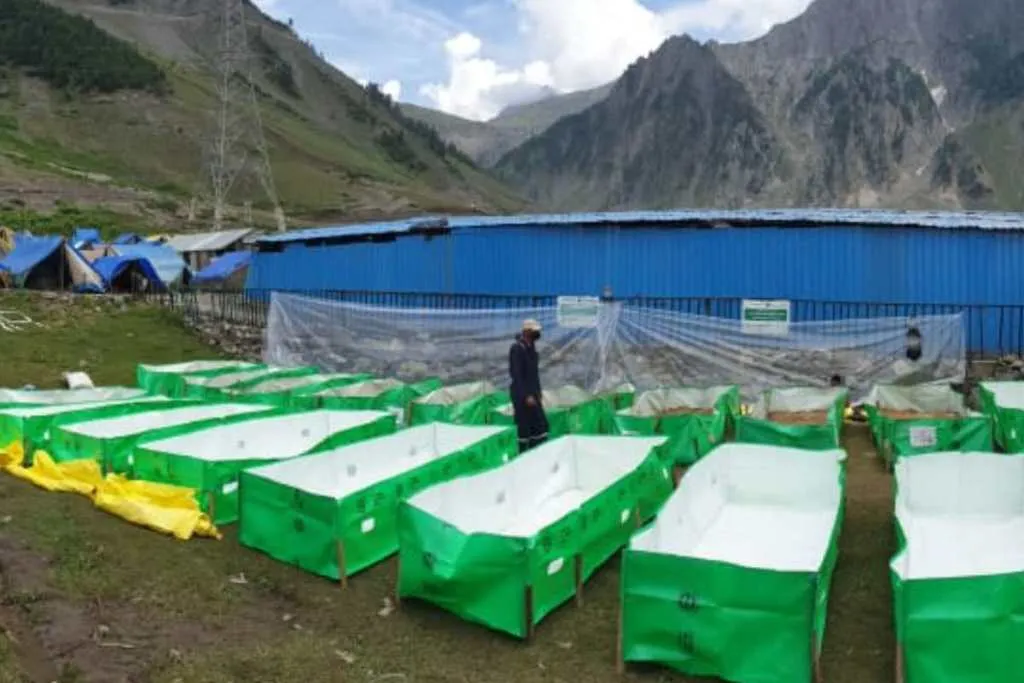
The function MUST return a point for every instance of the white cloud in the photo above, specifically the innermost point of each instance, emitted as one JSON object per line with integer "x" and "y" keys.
{"x": 478, "y": 88}
{"x": 576, "y": 44}
{"x": 392, "y": 89}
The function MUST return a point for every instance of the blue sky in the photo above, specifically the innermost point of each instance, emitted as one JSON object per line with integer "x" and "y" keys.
{"x": 474, "y": 57}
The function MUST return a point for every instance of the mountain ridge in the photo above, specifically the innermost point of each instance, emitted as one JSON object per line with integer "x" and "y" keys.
{"x": 865, "y": 108}
{"x": 339, "y": 151}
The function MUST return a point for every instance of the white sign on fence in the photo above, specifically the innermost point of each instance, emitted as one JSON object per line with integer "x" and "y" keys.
{"x": 767, "y": 318}
{"x": 578, "y": 311}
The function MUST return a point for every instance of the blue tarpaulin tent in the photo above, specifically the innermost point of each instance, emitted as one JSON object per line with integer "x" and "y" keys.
{"x": 83, "y": 238}
{"x": 127, "y": 238}
{"x": 49, "y": 262}
{"x": 224, "y": 267}
{"x": 128, "y": 274}
{"x": 167, "y": 263}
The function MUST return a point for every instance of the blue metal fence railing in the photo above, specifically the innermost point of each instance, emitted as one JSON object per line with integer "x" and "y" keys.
{"x": 991, "y": 330}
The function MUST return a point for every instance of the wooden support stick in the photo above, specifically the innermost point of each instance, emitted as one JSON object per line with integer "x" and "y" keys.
{"x": 528, "y": 611}
{"x": 636, "y": 517}
{"x": 900, "y": 677}
{"x": 342, "y": 572}
{"x": 211, "y": 506}
{"x": 620, "y": 655}
{"x": 398, "y": 581}
{"x": 579, "y": 579}
{"x": 816, "y": 674}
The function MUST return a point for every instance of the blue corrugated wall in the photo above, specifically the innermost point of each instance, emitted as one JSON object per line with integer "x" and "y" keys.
{"x": 838, "y": 264}
{"x": 894, "y": 265}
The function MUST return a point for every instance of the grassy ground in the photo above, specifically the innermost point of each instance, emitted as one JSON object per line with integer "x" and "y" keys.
{"x": 87, "y": 597}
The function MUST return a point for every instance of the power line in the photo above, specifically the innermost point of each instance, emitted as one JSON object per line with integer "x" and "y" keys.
{"x": 237, "y": 146}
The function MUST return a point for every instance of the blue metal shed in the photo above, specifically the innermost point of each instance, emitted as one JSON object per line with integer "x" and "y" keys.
{"x": 936, "y": 259}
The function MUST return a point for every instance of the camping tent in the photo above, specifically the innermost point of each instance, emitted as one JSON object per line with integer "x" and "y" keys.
{"x": 127, "y": 238}
{"x": 231, "y": 268}
{"x": 167, "y": 263}
{"x": 49, "y": 263}
{"x": 85, "y": 238}
{"x": 128, "y": 274}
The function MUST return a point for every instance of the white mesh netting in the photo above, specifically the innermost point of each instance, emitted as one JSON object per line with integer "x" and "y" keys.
{"x": 622, "y": 344}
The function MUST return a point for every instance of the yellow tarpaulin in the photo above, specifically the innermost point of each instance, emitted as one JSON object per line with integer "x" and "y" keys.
{"x": 12, "y": 453}
{"x": 168, "y": 509}
{"x": 78, "y": 476}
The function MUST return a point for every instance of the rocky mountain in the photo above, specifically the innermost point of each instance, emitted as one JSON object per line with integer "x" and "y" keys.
{"x": 486, "y": 142}
{"x": 670, "y": 131}
{"x": 109, "y": 103}
{"x": 914, "y": 103}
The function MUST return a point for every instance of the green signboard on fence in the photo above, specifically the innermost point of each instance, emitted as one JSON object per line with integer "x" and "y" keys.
{"x": 767, "y": 318}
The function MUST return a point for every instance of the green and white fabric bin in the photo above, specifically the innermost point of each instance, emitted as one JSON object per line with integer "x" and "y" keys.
{"x": 27, "y": 398}
{"x": 942, "y": 421}
{"x": 286, "y": 392}
{"x": 569, "y": 409}
{"x": 32, "y": 427}
{"x": 732, "y": 579}
{"x": 506, "y": 547}
{"x": 958, "y": 577}
{"x": 169, "y": 380}
{"x": 111, "y": 441}
{"x": 375, "y": 394}
{"x": 335, "y": 513}
{"x": 469, "y": 404}
{"x": 1003, "y": 402}
{"x": 209, "y": 461}
{"x": 759, "y": 427}
{"x": 619, "y": 397}
{"x": 215, "y": 388}
{"x": 671, "y": 413}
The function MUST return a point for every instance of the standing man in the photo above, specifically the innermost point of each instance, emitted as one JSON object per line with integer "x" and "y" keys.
{"x": 524, "y": 370}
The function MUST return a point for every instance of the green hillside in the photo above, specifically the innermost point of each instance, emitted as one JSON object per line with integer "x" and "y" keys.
{"x": 108, "y": 106}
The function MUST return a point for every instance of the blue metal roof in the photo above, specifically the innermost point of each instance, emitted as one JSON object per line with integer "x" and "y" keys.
{"x": 355, "y": 230}
{"x": 682, "y": 218}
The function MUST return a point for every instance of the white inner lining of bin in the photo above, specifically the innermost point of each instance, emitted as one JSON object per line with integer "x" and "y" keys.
{"x": 763, "y": 507}
{"x": 198, "y": 366}
{"x": 796, "y": 400}
{"x": 568, "y": 396}
{"x": 368, "y": 389}
{"x": 962, "y": 514}
{"x": 659, "y": 401}
{"x": 460, "y": 393}
{"x": 540, "y": 487}
{"x": 343, "y": 471}
{"x": 160, "y": 419}
{"x": 70, "y": 396}
{"x": 274, "y": 384}
{"x": 1007, "y": 394}
{"x": 231, "y": 378}
{"x": 40, "y": 411}
{"x": 271, "y": 438}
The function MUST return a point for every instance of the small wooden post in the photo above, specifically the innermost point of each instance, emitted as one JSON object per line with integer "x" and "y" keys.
{"x": 528, "y": 611}
{"x": 398, "y": 581}
{"x": 211, "y": 506}
{"x": 620, "y": 655}
{"x": 342, "y": 572}
{"x": 579, "y": 579}
{"x": 816, "y": 674}
{"x": 636, "y": 516}
{"x": 899, "y": 664}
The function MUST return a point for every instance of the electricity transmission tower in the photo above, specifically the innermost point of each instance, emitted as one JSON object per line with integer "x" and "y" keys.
{"x": 237, "y": 148}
